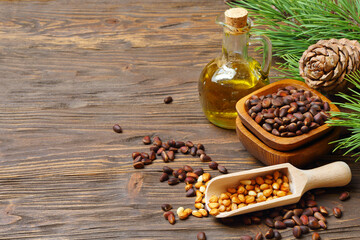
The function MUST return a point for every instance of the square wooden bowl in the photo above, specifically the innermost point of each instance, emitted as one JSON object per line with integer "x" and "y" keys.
{"x": 298, "y": 157}
{"x": 276, "y": 142}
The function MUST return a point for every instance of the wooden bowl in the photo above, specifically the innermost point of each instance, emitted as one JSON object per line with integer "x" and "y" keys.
{"x": 299, "y": 157}
{"x": 275, "y": 142}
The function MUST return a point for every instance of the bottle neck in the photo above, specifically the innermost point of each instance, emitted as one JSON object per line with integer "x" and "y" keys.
{"x": 234, "y": 46}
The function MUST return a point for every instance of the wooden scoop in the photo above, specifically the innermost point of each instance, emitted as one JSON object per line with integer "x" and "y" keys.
{"x": 331, "y": 175}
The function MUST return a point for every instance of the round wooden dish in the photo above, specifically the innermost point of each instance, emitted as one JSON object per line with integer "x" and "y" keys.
{"x": 299, "y": 157}
{"x": 275, "y": 142}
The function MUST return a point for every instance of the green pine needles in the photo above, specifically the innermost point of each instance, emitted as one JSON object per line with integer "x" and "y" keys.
{"x": 294, "y": 25}
{"x": 349, "y": 119}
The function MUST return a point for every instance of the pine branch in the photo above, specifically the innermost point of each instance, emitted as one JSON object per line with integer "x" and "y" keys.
{"x": 350, "y": 120}
{"x": 293, "y": 25}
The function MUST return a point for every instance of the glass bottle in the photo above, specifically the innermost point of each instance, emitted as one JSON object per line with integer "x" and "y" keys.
{"x": 233, "y": 74}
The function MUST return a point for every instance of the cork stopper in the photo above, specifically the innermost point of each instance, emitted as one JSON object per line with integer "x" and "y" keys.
{"x": 236, "y": 17}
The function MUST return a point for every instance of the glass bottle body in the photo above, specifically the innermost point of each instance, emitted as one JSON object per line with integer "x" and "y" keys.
{"x": 228, "y": 78}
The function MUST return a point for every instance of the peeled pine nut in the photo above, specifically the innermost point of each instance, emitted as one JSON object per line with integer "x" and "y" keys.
{"x": 203, "y": 212}
{"x": 197, "y": 214}
{"x": 246, "y": 182}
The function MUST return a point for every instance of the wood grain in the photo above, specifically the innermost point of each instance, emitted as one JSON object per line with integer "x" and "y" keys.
{"x": 69, "y": 71}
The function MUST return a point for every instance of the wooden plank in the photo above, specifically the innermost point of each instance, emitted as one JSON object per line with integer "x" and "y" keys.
{"x": 69, "y": 71}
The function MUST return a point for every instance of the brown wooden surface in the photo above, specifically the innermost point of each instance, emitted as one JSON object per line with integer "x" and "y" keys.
{"x": 69, "y": 71}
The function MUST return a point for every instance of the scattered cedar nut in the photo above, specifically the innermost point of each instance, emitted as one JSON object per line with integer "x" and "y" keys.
{"x": 138, "y": 165}
{"x": 222, "y": 169}
{"x": 164, "y": 156}
{"x": 171, "y": 219}
{"x": 280, "y": 225}
{"x": 201, "y": 236}
{"x": 166, "y": 214}
{"x": 168, "y": 100}
{"x": 200, "y": 146}
{"x": 137, "y": 159}
{"x": 297, "y": 220}
{"x": 184, "y": 149}
{"x": 337, "y": 212}
{"x": 313, "y": 223}
{"x": 187, "y": 168}
{"x": 289, "y": 214}
{"x": 146, "y": 161}
{"x": 144, "y": 155}
{"x": 117, "y": 128}
{"x": 323, "y": 210}
{"x": 168, "y": 170}
{"x": 269, "y": 234}
{"x": 193, "y": 151}
{"x": 315, "y": 236}
{"x": 190, "y": 192}
{"x": 199, "y": 152}
{"x": 154, "y": 148}
{"x": 152, "y": 156}
{"x": 191, "y": 174}
{"x": 160, "y": 151}
{"x": 259, "y": 236}
{"x": 182, "y": 176}
{"x": 269, "y": 222}
{"x": 165, "y": 145}
{"x": 344, "y": 196}
{"x": 179, "y": 144}
{"x": 157, "y": 141}
{"x": 298, "y": 211}
{"x": 175, "y": 150}
{"x": 304, "y": 219}
{"x": 205, "y": 158}
{"x": 189, "y": 180}
{"x": 164, "y": 177}
{"x": 319, "y": 216}
{"x": 308, "y": 212}
{"x": 173, "y": 181}
{"x": 146, "y": 140}
{"x": 277, "y": 235}
{"x": 135, "y": 155}
{"x": 189, "y": 144}
{"x": 171, "y": 143}
{"x": 289, "y": 222}
{"x": 297, "y": 231}
{"x": 199, "y": 171}
{"x": 166, "y": 207}
{"x": 304, "y": 229}
{"x": 213, "y": 165}
{"x": 178, "y": 172}
{"x": 322, "y": 224}
{"x": 315, "y": 209}
{"x": 171, "y": 155}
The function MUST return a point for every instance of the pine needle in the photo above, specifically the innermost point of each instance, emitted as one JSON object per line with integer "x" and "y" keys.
{"x": 350, "y": 120}
{"x": 294, "y": 25}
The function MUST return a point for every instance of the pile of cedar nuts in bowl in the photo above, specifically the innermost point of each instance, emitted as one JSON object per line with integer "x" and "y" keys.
{"x": 303, "y": 217}
{"x": 289, "y": 112}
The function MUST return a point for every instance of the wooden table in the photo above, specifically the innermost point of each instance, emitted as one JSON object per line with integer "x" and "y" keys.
{"x": 72, "y": 69}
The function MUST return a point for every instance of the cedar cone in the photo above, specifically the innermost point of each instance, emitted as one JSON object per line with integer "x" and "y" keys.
{"x": 325, "y": 64}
